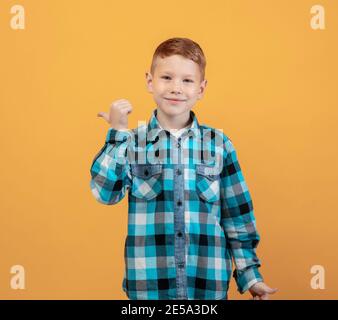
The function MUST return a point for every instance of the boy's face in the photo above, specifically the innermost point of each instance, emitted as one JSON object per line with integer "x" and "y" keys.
{"x": 176, "y": 85}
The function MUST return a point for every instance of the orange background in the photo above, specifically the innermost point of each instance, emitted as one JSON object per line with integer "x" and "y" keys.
{"x": 272, "y": 88}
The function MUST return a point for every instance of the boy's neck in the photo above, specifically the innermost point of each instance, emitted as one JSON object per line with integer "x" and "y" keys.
{"x": 173, "y": 123}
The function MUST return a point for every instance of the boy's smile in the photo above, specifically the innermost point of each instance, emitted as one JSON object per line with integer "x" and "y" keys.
{"x": 176, "y": 86}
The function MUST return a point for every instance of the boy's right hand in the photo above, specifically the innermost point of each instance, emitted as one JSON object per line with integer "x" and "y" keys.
{"x": 118, "y": 114}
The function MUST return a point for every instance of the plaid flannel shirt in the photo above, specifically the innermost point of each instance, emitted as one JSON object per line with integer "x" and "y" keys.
{"x": 190, "y": 215}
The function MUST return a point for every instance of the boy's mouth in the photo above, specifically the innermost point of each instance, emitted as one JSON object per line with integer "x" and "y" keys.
{"x": 174, "y": 100}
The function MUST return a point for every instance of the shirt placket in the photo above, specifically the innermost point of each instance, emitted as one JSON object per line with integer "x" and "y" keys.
{"x": 179, "y": 226}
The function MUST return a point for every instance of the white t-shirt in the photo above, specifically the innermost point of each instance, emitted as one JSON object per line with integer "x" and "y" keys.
{"x": 178, "y": 132}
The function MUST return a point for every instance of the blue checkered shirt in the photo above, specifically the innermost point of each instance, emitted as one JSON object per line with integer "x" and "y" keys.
{"x": 190, "y": 215}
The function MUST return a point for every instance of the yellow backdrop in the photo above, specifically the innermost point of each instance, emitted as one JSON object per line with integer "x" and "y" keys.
{"x": 272, "y": 88}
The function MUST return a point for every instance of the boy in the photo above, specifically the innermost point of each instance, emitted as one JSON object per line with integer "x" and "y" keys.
{"x": 189, "y": 215}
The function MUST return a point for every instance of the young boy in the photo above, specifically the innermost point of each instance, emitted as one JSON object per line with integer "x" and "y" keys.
{"x": 189, "y": 214}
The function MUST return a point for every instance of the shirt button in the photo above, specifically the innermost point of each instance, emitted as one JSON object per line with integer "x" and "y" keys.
{"x": 179, "y": 234}
{"x": 178, "y": 145}
{"x": 180, "y": 264}
{"x": 179, "y": 202}
{"x": 178, "y": 172}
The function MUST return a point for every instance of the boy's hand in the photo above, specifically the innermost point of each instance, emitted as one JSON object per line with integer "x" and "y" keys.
{"x": 118, "y": 114}
{"x": 260, "y": 291}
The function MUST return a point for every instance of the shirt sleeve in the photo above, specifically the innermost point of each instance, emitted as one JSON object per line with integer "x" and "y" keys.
{"x": 238, "y": 221}
{"x": 110, "y": 169}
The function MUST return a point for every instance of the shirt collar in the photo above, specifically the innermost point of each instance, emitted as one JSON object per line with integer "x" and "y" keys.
{"x": 154, "y": 129}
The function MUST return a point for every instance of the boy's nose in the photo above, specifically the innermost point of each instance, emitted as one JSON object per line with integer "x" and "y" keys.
{"x": 176, "y": 88}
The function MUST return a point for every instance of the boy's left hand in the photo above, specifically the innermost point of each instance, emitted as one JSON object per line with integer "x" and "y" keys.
{"x": 260, "y": 291}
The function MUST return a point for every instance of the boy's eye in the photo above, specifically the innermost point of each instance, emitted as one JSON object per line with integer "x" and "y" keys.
{"x": 168, "y": 78}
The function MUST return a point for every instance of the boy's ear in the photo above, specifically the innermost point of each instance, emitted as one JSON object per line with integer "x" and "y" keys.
{"x": 149, "y": 82}
{"x": 203, "y": 85}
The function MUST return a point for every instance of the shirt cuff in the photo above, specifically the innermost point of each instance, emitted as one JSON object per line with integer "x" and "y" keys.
{"x": 114, "y": 135}
{"x": 246, "y": 279}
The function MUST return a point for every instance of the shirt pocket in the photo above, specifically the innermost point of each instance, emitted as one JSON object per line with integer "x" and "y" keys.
{"x": 207, "y": 182}
{"x": 146, "y": 180}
